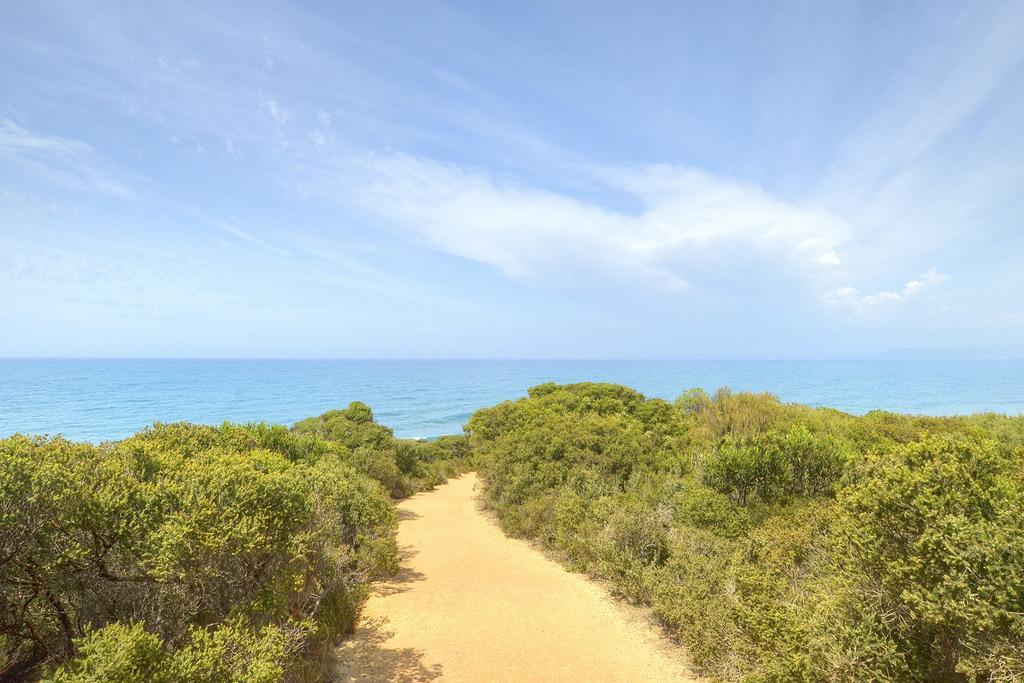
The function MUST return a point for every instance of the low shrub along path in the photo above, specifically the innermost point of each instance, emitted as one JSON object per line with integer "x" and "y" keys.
{"x": 471, "y": 604}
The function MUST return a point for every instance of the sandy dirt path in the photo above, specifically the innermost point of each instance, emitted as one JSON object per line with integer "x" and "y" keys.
{"x": 471, "y": 604}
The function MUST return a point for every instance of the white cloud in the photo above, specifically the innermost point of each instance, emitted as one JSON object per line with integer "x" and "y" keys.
{"x": 938, "y": 154}
{"x": 321, "y": 139}
{"x": 278, "y": 113}
{"x": 925, "y": 282}
{"x": 231, "y": 151}
{"x": 176, "y": 66}
{"x": 851, "y": 298}
{"x": 70, "y": 163}
{"x": 686, "y": 218}
{"x": 321, "y": 136}
{"x": 231, "y": 227}
{"x": 931, "y": 98}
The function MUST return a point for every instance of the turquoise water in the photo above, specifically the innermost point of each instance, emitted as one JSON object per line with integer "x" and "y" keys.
{"x": 95, "y": 400}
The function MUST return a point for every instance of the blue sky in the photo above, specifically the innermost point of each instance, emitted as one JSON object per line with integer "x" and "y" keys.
{"x": 529, "y": 179}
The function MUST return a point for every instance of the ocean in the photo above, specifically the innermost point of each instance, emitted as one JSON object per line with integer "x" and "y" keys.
{"x": 97, "y": 400}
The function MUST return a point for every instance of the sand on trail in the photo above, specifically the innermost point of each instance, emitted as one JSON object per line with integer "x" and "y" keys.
{"x": 471, "y": 604}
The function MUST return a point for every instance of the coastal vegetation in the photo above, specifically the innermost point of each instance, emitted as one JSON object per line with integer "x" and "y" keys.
{"x": 774, "y": 541}
{"x": 197, "y": 553}
{"x": 402, "y": 466}
{"x": 778, "y": 542}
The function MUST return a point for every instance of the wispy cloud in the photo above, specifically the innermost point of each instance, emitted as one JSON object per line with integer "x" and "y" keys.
{"x": 321, "y": 135}
{"x": 232, "y": 228}
{"x": 935, "y": 155}
{"x": 323, "y": 262}
{"x": 533, "y": 234}
{"x": 279, "y": 114}
{"x": 809, "y": 169}
{"x": 64, "y": 161}
{"x": 852, "y": 299}
{"x": 931, "y": 98}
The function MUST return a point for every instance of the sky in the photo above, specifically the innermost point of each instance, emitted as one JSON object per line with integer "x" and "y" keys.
{"x": 510, "y": 180}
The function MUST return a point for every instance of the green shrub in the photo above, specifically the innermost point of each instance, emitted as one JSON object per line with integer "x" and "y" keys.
{"x": 776, "y": 465}
{"x": 178, "y": 528}
{"x": 235, "y": 651}
{"x": 634, "y": 540}
{"x": 745, "y": 471}
{"x": 932, "y": 552}
{"x": 722, "y": 513}
{"x": 704, "y": 508}
{"x": 232, "y": 651}
{"x": 691, "y": 595}
{"x": 773, "y": 573}
{"x": 402, "y": 466}
{"x": 118, "y": 653}
{"x": 225, "y": 548}
{"x": 740, "y": 416}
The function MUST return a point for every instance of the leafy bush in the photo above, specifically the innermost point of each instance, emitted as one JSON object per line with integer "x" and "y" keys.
{"x": 180, "y": 528}
{"x": 776, "y": 465}
{"x": 778, "y": 542}
{"x": 634, "y": 540}
{"x": 931, "y": 550}
{"x": 402, "y": 466}
{"x": 197, "y": 553}
{"x": 747, "y": 470}
{"x": 691, "y": 592}
{"x": 118, "y": 653}
{"x": 233, "y": 651}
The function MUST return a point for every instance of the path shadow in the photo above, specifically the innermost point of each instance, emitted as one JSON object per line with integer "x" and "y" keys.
{"x": 406, "y": 553}
{"x": 404, "y": 515}
{"x": 399, "y": 583}
{"x": 402, "y": 579}
{"x": 366, "y": 657}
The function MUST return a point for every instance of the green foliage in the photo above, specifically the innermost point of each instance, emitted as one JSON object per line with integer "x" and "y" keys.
{"x": 932, "y": 534}
{"x": 772, "y": 571}
{"x": 352, "y": 427}
{"x": 232, "y": 651}
{"x": 177, "y": 528}
{"x": 118, "y": 653}
{"x": 198, "y": 553}
{"x": 691, "y": 595}
{"x": 737, "y": 415}
{"x": 694, "y": 402}
{"x": 776, "y": 465}
{"x": 235, "y": 652}
{"x": 778, "y": 542}
{"x": 635, "y": 539}
{"x": 747, "y": 470}
{"x": 402, "y": 466}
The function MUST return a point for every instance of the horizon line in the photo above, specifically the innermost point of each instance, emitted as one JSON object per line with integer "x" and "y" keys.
{"x": 885, "y": 356}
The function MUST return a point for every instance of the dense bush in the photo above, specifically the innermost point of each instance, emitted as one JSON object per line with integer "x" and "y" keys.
{"x": 403, "y": 466}
{"x": 776, "y": 465}
{"x": 778, "y": 542}
{"x": 196, "y": 553}
{"x": 247, "y": 539}
{"x": 232, "y": 651}
{"x": 931, "y": 539}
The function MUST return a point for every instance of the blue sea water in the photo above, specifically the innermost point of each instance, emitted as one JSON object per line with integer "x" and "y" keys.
{"x": 96, "y": 400}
